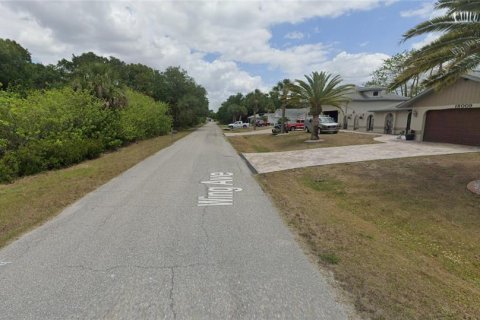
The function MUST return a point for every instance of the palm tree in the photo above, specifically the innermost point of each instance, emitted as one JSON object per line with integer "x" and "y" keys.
{"x": 255, "y": 98}
{"x": 321, "y": 89}
{"x": 454, "y": 53}
{"x": 237, "y": 111}
{"x": 102, "y": 82}
{"x": 284, "y": 91}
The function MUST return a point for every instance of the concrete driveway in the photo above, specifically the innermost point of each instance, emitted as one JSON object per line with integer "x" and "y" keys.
{"x": 267, "y": 130}
{"x": 390, "y": 148}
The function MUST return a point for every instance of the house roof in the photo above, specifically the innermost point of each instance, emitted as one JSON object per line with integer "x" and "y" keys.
{"x": 360, "y": 94}
{"x": 363, "y": 89}
{"x": 389, "y": 108}
{"x": 473, "y": 76}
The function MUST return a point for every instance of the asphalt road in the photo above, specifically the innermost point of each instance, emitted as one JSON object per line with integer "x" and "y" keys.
{"x": 141, "y": 247}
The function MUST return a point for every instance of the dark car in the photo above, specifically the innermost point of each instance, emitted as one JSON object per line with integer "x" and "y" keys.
{"x": 260, "y": 123}
{"x": 278, "y": 128}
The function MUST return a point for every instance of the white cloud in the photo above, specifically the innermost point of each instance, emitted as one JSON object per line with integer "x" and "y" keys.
{"x": 353, "y": 68}
{"x": 425, "y": 11}
{"x": 427, "y": 40}
{"x": 294, "y": 35}
{"x": 165, "y": 33}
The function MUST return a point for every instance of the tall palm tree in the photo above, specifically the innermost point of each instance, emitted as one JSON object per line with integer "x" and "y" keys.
{"x": 455, "y": 52}
{"x": 254, "y": 99}
{"x": 284, "y": 91}
{"x": 102, "y": 81}
{"x": 319, "y": 90}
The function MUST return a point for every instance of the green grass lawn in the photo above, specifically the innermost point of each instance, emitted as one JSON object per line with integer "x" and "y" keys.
{"x": 401, "y": 236}
{"x": 296, "y": 141}
{"x": 32, "y": 200}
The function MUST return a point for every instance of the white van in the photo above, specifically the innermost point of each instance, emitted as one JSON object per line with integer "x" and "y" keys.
{"x": 326, "y": 124}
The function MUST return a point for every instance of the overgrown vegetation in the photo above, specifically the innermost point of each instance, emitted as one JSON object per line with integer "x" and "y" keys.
{"x": 58, "y": 115}
{"x": 59, "y": 127}
{"x": 402, "y": 237}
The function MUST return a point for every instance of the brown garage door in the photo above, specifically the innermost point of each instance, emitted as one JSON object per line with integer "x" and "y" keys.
{"x": 461, "y": 126}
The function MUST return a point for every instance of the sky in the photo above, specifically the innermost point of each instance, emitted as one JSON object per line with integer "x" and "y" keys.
{"x": 226, "y": 46}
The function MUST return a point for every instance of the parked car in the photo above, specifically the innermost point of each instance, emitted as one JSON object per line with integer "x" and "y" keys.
{"x": 326, "y": 124}
{"x": 298, "y": 124}
{"x": 238, "y": 124}
{"x": 278, "y": 128}
{"x": 261, "y": 123}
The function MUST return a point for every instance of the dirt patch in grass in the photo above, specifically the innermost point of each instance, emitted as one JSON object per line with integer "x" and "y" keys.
{"x": 296, "y": 141}
{"x": 32, "y": 200}
{"x": 402, "y": 236}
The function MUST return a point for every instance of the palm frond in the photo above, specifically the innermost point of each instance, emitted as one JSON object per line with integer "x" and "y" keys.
{"x": 458, "y": 5}
{"x": 321, "y": 89}
{"x": 455, "y": 52}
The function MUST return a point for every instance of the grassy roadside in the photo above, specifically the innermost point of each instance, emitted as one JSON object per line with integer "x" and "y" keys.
{"x": 32, "y": 200}
{"x": 296, "y": 141}
{"x": 402, "y": 237}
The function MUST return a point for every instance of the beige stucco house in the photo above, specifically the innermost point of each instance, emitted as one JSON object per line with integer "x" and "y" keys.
{"x": 358, "y": 113}
{"x": 450, "y": 115}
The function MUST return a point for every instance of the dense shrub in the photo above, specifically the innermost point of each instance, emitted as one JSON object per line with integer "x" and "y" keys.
{"x": 143, "y": 118}
{"x": 60, "y": 127}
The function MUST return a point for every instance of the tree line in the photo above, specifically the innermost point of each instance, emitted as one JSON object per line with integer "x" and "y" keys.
{"x": 57, "y": 115}
{"x": 238, "y": 106}
{"x": 317, "y": 90}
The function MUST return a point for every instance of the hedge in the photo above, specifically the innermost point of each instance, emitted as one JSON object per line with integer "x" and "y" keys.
{"x": 60, "y": 127}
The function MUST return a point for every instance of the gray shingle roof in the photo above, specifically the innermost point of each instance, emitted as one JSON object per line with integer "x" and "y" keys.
{"x": 473, "y": 75}
{"x": 363, "y": 94}
{"x": 389, "y": 108}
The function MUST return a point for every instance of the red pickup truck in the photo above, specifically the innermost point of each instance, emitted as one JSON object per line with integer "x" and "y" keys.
{"x": 298, "y": 124}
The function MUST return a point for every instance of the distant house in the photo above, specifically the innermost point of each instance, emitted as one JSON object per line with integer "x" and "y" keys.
{"x": 270, "y": 117}
{"x": 291, "y": 114}
{"x": 451, "y": 115}
{"x": 357, "y": 114}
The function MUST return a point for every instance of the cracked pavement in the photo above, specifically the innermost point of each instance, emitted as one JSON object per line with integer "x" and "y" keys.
{"x": 139, "y": 247}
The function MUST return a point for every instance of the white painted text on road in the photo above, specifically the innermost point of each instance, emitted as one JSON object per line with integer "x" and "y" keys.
{"x": 220, "y": 190}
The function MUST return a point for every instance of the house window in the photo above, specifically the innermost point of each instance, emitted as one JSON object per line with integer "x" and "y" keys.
{"x": 375, "y": 93}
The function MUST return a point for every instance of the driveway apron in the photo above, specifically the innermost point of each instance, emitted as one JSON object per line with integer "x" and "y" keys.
{"x": 390, "y": 148}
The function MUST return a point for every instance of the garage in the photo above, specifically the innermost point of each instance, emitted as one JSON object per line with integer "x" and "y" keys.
{"x": 459, "y": 126}
{"x": 332, "y": 114}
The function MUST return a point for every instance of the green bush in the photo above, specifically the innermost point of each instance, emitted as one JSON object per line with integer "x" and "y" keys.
{"x": 41, "y": 155}
{"x": 143, "y": 118}
{"x": 60, "y": 127}
{"x": 8, "y": 167}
